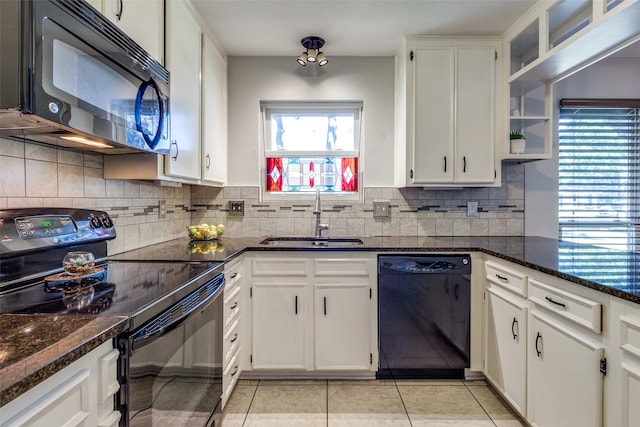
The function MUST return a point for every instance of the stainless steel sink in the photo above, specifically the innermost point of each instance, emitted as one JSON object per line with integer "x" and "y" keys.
{"x": 302, "y": 242}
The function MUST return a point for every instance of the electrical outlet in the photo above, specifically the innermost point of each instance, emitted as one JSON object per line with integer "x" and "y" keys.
{"x": 472, "y": 208}
{"x": 162, "y": 209}
{"x": 236, "y": 207}
{"x": 381, "y": 209}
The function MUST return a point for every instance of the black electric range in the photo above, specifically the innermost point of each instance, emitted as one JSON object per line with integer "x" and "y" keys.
{"x": 170, "y": 304}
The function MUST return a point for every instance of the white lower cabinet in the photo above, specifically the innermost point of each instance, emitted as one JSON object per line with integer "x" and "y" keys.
{"x": 565, "y": 382}
{"x": 505, "y": 361}
{"x": 544, "y": 346}
{"x": 232, "y": 327}
{"x": 278, "y": 329}
{"x": 313, "y": 312}
{"x": 81, "y": 394}
{"x": 342, "y": 313}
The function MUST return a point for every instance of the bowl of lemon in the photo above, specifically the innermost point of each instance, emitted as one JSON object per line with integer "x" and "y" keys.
{"x": 205, "y": 231}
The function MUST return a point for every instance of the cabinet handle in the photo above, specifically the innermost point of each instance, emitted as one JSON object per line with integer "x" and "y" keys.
{"x": 234, "y": 306}
{"x": 552, "y": 301}
{"x": 504, "y": 279}
{"x": 464, "y": 164}
{"x": 456, "y": 291}
{"x": 325, "y": 305}
{"x": 120, "y": 10}
{"x": 538, "y": 338}
{"x": 514, "y": 328}
{"x": 235, "y": 337}
{"x": 445, "y": 163}
{"x": 235, "y": 371}
{"x": 234, "y": 275}
{"x": 411, "y": 174}
{"x": 296, "y": 305}
{"x": 174, "y": 142}
{"x": 207, "y": 161}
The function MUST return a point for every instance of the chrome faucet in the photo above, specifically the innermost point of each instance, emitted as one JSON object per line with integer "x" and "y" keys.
{"x": 316, "y": 211}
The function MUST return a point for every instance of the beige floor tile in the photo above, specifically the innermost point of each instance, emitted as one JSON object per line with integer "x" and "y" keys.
{"x": 290, "y": 399}
{"x": 429, "y": 382}
{"x": 493, "y": 404}
{"x": 363, "y": 382}
{"x": 451, "y": 423}
{"x": 357, "y": 400}
{"x": 293, "y": 382}
{"x": 285, "y": 420}
{"x": 240, "y": 399}
{"x": 432, "y": 403}
{"x": 508, "y": 423}
{"x": 362, "y": 420}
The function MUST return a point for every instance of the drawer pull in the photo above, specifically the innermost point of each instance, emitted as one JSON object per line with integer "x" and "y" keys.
{"x": 296, "y": 305}
{"x": 504, "y": 279}
{"x": 514, "y": 328}
{"x": 235, "y": 371}
{"x": 325, "y": 306}
{"x": 538, "y": 338}
{"x": 235, "y": 337}
{"x": 555, "y": 302}
{"x": 234, "y": 306}
{"x": 234, "y": 275}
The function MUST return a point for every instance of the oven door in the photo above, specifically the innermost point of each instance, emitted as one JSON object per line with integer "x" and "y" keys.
{"x": 173, "y": 375}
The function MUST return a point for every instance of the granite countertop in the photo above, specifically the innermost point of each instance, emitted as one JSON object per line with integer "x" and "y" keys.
{"x": 34, "y": 347}
{"x": 606, "y": 270}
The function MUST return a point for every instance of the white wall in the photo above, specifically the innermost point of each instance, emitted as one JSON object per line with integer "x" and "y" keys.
{"x": 610, "y": 78}
{"x": 252, "y": 79}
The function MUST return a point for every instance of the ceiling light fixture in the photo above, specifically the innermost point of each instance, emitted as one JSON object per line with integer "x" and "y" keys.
{"x": 312, "y": 44}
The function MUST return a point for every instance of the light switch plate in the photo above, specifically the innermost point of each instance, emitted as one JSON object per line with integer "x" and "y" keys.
{"x": 380, "y": 209}
{"x": 472, "y": 208}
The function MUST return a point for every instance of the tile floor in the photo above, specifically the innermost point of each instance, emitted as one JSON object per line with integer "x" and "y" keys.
{"x": 369, "y": 403}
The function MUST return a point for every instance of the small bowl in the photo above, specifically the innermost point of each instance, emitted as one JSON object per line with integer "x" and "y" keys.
{"x": 77, "y": 263}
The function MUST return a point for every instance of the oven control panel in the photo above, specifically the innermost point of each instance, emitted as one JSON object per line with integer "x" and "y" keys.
{"x": 41, "y": 228}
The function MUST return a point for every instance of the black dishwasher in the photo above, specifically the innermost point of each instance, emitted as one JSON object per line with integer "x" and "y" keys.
{"x": 424, "y": 304}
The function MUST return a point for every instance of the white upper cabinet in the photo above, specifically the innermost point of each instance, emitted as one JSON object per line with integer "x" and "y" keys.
{"x": 183, "y": 62}
{"x": 142, "y": 20}
{"x": 451, "y": 112}
{"x": 214, "y": 114}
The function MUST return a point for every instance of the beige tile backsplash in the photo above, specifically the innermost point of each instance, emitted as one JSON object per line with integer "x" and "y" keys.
{"x": 33, "y": 175}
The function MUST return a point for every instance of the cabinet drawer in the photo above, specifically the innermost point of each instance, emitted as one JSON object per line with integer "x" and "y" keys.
{"x": 232, "y": 275}
{"x": 279, "y": 267}
{"x": 231, "y": 307}
{"x": 507, "y": 278}
{"x": 230, "y": 377}
{"x": 342, "y": 267}
{"x": 580, "y": 310}
{"x": 630, "y": 335}
{"x": 231, "y": 341}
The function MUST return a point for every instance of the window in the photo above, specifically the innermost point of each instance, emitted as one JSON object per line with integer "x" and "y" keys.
{"x": 310, "y": 146}
{"x": 599, "y": 172}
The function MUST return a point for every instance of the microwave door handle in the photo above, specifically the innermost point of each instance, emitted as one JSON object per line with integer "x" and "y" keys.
{"x": 151, "y": 142}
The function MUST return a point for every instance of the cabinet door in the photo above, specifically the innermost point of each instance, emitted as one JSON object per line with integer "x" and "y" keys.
{"x": 142, "y": 20}
{"x": 214, "y": 114}
{"x": 565, "y": 383}
{"x": 475, "y": 114}
{"x": 183, "y": 62}
{"x": 342, "y": 319}
{"x": 505, "y": 360}
{"x": 431, "y": 116}
{"x": 278, "y": 326}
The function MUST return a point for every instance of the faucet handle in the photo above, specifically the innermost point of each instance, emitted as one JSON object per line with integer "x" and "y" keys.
{"x": 321, "y": 228}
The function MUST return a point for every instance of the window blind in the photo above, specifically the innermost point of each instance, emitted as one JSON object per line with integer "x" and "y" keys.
{"x": 599, "y": 172}
{"x": 599, "y": 190}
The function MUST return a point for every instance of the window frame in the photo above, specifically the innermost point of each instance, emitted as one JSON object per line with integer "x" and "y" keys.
{"x": 267, "y": 108}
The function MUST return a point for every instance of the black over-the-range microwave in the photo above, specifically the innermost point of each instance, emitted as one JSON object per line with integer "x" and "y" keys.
{"x": 71, "y": 78}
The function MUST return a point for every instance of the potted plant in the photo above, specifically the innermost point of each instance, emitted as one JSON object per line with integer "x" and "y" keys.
{"x": 517, "y": 141}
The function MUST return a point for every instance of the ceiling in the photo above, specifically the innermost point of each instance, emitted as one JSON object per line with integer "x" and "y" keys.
{"x": 349, "y": 27}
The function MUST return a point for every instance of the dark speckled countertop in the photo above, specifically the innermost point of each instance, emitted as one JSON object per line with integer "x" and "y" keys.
{"x": 33, "y": 348}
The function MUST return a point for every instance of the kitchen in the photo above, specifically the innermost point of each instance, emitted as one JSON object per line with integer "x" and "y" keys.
{"x": 519, "y": 206}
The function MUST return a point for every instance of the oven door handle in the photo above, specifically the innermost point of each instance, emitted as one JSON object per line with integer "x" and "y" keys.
{"x": 140, "y": 341}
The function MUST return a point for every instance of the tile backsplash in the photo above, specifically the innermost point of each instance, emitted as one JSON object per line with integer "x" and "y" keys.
{"x": 33, "y": 175}
{"x": 413, "y": 211}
